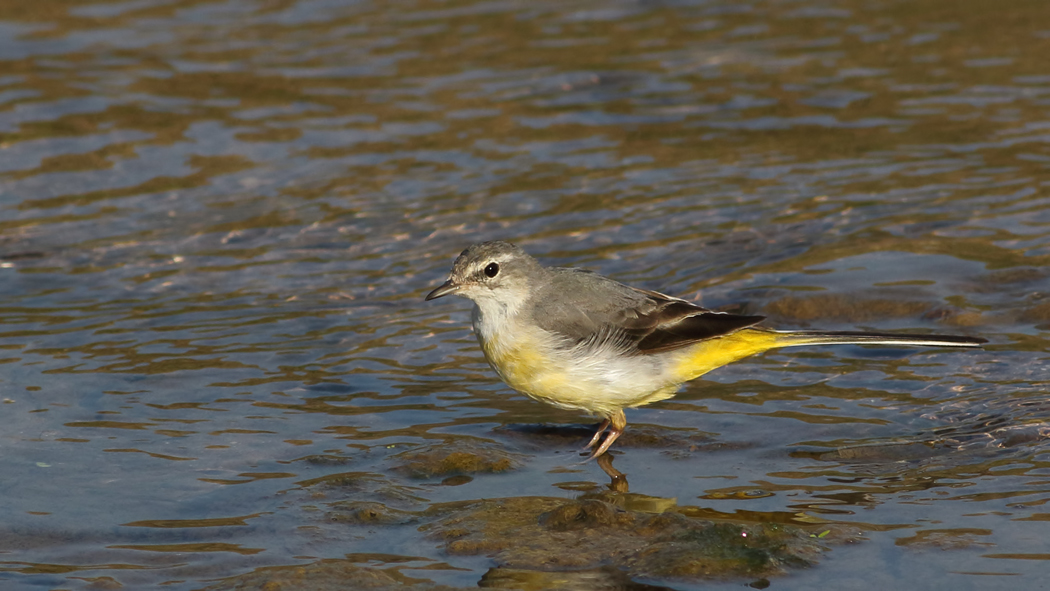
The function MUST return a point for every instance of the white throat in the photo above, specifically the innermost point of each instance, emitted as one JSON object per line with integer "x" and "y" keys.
{"x": 490, "y": 316}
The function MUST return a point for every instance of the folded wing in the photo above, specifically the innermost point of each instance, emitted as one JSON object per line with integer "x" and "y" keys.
{"x": 583, "y": 307}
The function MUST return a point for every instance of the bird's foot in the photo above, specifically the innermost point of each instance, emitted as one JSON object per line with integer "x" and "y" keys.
{"x": 616, "y": 424}
{"x": 597, "y": 435}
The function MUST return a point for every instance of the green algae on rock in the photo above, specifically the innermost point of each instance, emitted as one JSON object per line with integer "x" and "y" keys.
{"x": 323, "y": 576}
{"x": 544, "y": 533}
{"x": 461, "y": 457}
{"x": 368, "y": 513}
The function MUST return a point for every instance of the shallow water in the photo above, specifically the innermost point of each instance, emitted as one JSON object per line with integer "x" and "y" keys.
{"x": 218, "y": 221}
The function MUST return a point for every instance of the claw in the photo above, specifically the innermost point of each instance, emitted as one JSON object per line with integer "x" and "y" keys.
{"x": 616, "y": 424}
{"x": 597, "y": 435}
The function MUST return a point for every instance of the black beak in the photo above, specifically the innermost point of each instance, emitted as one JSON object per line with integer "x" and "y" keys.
{"x": 443, "y": 290}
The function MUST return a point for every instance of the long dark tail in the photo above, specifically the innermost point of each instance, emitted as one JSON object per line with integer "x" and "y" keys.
{"x": 797, "y": 338}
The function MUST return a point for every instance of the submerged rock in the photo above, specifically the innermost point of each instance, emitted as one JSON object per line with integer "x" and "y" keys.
{"x": 368, "y": 513}
{"x": 538, "y": 533}
{"x": 607, "y": 578}
{"x": 335, "y": 575}
{"x": 462, "y": 457}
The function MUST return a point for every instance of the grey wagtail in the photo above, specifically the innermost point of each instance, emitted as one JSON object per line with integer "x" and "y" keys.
{"x": 577, "y": 340}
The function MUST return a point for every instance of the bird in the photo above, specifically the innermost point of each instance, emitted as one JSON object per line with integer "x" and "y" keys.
{"x": 581, "y": 341}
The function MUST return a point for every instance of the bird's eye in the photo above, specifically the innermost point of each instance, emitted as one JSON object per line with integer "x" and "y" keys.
{"x": 491, "y": 270}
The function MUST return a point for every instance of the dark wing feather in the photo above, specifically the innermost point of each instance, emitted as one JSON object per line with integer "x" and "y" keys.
{"x": 673, "y": 323}
{"x": 586, "y": 308}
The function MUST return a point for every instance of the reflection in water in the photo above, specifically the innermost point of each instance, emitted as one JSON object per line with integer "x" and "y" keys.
{"x": 217, "y": 221}
{"x": 618, "y": 480}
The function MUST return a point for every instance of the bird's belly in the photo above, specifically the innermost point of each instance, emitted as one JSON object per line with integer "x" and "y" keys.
{"x": 600, "y": 385}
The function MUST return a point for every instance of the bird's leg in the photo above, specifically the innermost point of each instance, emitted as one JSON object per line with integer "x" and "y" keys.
{"x": 598, "y": 434}
{"x": 617, "y": 423}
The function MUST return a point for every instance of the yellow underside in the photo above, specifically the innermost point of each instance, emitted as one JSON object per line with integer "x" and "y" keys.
{"x": 522, "y": 365}
{"x": 696, "y": 360}
{"x": 527, "y": 369}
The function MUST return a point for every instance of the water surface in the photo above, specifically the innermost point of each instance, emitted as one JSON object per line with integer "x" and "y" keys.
{"x": 218, "y": 221}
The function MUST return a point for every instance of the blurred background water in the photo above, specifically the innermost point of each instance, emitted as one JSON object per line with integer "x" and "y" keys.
{"x": 218, "y": 220}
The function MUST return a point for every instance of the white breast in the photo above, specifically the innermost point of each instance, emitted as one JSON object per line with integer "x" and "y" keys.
{"x": 596, "y": 376}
